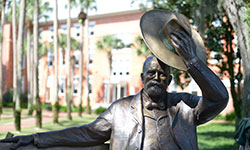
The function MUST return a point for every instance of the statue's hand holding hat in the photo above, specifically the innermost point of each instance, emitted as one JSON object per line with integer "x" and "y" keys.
{"x": 171, "y": 38}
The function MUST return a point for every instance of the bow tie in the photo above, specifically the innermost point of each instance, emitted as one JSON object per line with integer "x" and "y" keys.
{"x": 153, "y": 105}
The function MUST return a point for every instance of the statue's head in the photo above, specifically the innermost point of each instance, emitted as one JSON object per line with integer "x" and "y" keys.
{"x": 155, "y": 77}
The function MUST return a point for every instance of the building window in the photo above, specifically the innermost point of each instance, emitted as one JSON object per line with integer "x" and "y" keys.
{"x": 77, "y": 30}
{"x": 91, "y": 77}
{"x": 77, "y": 55}
{"x": 50, "y": 59}
{"x": 61, "y": 89}
{"x": 120, "y": 67}
{"x": 75, "y": 85}
{"x": 64, "y": 28}
{"x": 91, "y": 28}
{"x": 90, "y": 58}
{"x": 119, "y": 91}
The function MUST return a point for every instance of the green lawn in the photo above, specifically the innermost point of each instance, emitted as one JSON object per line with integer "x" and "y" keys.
{"x": 49, "y": 126}
{"x": 9, "y": 113}
{"x": 216, "y": 136}
{"x": 211, "y": 136}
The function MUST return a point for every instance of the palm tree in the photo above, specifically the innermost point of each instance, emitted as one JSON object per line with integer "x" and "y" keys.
{"x": 63, "y": 44}
{"x": 56, "y": 105}
{"x": 14, "y": 42}
{"x": 108, "y": 43}
{"x": 69, "y": 98}
{"x": 85, "y": 4}
{"x": 1, "y": 40}
{"x": 141, "y": 47}
{"x": 19, "y": 64}
{"x": 29, "y": 27}
{"x": 36, "y": 44}
{"x": 82, "y": 16}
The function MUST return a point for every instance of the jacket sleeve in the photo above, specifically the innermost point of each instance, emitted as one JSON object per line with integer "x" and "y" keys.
{"x": 214, "y": 94}
{"x": 95, "y": 133}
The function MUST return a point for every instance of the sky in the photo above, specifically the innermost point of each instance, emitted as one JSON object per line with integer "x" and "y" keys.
{"x": 103, "y": 6}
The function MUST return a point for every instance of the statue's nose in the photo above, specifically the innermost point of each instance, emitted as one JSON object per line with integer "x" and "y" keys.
{"x": 156, "y": 76}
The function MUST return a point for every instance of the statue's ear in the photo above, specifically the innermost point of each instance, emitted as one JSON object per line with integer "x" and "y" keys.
{"x": 170, "y": 78}
{"x": 142, "y": 78}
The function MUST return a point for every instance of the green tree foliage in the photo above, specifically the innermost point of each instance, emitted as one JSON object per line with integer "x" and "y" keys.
{"x": 219, "y": 40}
{"x": 107, "y": 44}
{"x": 141, "y": 47}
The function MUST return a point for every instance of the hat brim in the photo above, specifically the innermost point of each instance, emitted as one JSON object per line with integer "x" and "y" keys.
{"x": 151, "y": 23}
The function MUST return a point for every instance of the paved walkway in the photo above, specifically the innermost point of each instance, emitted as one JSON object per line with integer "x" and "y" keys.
{"x": 47, "y": 117}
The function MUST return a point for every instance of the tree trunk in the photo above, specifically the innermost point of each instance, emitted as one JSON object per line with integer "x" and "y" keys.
{"x": 68, "y": 93}
{"x": 81, "y": 72}
{"x": 19, "y": 63}
{"x": 1, "y": 41}
{"x": 36, "y": 86}
{"x": 29, "y": 68}
{"x": 56, "y": 104}
{"x": 88, "y": 109}
{"x": 109, "y": 53}
{"x": 236, "y": 11}
{"x": 14, "y": 42}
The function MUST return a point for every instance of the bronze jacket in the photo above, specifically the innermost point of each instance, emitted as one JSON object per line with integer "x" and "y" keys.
{"x": 122, "y": 124}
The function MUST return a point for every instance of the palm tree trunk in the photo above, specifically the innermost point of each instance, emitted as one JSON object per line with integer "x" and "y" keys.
{"x": 110, "y": 72}
{"x": 88, "y": 109}
{"x": 14, "y": 42}
{"x": 1, "y": 41}
{"x": 81, "y": 72}
{"x": 56, "y": 105}
{"x": 29, "y": 69}
{"x": 19, "y": 63}
{"x": 69, "y": 97}
{"x": 36, "y": 86}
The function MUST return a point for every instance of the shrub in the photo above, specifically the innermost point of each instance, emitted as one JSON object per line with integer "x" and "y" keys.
{"x": 8, "y": 98}
{"x": 230, "y": 116}
{"x": 100, "y": 110}
{"x": 219, "y": 117}
{"x": 47, "y": 107}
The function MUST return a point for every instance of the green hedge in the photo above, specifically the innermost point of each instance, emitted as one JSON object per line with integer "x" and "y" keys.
{"x": 62, "y": 108}
{"x": 100, "y": 110}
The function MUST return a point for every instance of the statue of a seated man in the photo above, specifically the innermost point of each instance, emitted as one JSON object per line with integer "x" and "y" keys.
{"x": 153, "y": 118}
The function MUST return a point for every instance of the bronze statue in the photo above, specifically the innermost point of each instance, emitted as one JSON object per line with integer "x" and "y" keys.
{"x": 153, "y": 118}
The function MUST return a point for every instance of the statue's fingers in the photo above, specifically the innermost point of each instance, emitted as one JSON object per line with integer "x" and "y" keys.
{"x": 175, "y": 40}
{"x": 177, "y": 34}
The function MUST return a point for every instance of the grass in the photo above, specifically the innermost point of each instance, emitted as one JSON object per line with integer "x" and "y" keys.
{"x": 211, "y": 136}
{"x": 9, "y": 115}
{"x": 216, "y": 136}
{"x": 49, "y": 126}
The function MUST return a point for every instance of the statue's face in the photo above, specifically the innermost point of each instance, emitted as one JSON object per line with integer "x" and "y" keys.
{"x": 155, "y": 78}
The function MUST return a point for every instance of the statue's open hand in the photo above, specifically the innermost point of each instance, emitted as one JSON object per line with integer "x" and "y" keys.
{"x": 19, "y": 141}
{"x": 184, "y": 44}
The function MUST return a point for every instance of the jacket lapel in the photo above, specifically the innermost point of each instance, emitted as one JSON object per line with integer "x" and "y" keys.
{"x": 136, "y": 108}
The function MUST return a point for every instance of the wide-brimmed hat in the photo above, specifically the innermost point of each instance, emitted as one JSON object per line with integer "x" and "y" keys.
{"x": 155, "y": 28}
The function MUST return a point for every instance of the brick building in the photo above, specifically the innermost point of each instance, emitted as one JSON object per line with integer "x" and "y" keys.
{"x": 126, "y": 64}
